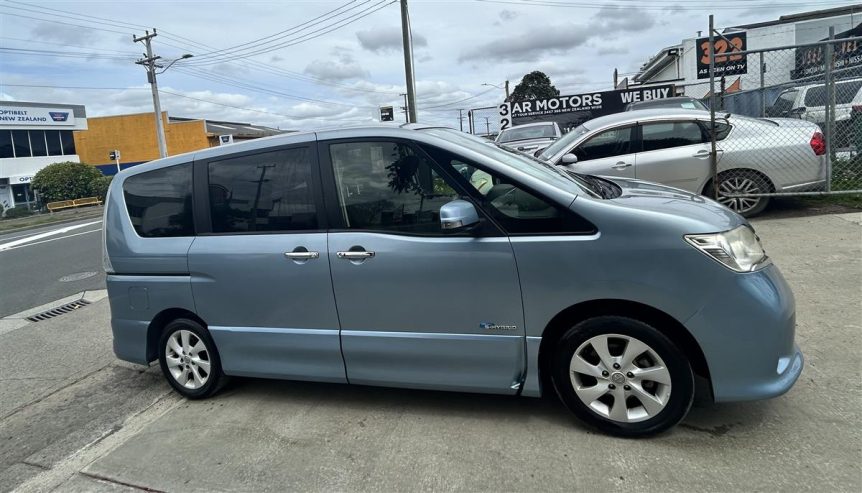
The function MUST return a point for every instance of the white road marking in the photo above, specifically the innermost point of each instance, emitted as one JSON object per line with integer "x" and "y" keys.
{"x": 2, "y": 249}
{"x": 11, "y": 244}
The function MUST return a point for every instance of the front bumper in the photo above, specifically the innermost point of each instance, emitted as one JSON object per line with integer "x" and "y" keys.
{"x": 747, "y": 336}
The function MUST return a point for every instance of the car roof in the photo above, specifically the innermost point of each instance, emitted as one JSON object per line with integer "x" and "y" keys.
{"x": 670, "y": 99}
{"x": 647, "y": 114}
{"x": 536, "y": 124}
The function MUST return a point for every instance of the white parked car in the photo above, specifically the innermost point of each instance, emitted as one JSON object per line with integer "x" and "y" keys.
{"x": 809, "y": 103}
{"x": 755, "y": 155}
{"x": 530, "y": 137}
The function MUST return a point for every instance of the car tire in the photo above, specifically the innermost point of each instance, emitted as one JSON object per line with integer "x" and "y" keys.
{"x": 650, "y": 391}
{"x": 189, "y": 359}
{"x": 742, "y": 181}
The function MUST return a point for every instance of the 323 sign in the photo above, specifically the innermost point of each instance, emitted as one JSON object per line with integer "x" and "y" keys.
{"x": 726, "y": 62}
{"x": 505, "y": 116}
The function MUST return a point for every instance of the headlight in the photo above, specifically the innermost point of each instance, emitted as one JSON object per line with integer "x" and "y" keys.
{"x": 739, "y": 249}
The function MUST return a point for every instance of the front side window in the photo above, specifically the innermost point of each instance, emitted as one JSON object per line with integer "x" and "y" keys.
{"x": 665, "y": 135}
{"x": 514, "y": 208}
{"x": 613, "y": 142}
{"x": 785, "y": 101}
{"x": 271, "y": 191}
{"x": 387, "y": 186}
{"x": 159, "y": 202}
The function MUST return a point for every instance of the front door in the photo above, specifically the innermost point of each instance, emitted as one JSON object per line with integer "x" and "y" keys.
{"x": 419, "y": 307}
{"x": 674, "y": 153}
{"x": 260, "y": 275}
{"x": 608, "y": 153}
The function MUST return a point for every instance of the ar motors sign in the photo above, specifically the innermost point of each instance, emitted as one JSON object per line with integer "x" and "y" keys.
{"x": 571, "y": 111}
{"x": 18, "y": 115}
{"x": 726, "y": 63}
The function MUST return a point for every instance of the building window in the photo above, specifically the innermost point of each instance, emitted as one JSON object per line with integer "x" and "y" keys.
{"x": 21, "y": 194}
{"x": 67, "y": 141}
{"x": 21, "y": 143}
{"x": 6, "y": 144}
{"x": 37, "y": 143}
{"x": 53, "y": 139}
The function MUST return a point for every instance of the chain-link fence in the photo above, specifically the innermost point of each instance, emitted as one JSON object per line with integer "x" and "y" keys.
{"x": 805, "y": 134}
{"x": 484, "y": 121}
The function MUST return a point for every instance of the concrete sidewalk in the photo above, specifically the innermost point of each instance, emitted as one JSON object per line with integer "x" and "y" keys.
{"x": 80, "y": 421}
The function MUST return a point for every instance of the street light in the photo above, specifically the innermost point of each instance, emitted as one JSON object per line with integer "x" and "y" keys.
{"x": 499, "y": 87}
{"x": 175, "y": 60}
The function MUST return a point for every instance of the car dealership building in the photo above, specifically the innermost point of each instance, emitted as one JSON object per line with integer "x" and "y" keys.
{"x": 32, "y": 136}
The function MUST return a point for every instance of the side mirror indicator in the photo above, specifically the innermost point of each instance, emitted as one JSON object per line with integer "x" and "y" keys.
{"x": 458, "y": 215}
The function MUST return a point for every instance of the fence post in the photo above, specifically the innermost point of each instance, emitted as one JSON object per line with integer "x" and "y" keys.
{"x": 762, "y": 87}
{"x": 829, "y": 105}
{"x": 713, "y": 159}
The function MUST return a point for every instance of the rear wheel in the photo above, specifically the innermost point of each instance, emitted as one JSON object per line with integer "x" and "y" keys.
{"x": 741, "y": 182}
{"x": 189, "y": 360}
{"x": 622, "y": 376}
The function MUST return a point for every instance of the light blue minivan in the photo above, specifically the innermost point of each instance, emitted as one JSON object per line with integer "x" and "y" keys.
{"x": 426, "y": 258}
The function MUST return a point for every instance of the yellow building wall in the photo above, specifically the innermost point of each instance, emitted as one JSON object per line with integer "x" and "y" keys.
{"x": 135, "y": 137}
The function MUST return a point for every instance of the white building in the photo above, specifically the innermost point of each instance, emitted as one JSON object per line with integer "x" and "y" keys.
{"x": 32, "y": 136}
{"x": 681, "y": 64}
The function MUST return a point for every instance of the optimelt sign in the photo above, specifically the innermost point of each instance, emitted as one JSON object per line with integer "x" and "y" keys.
{"x": 30, "y": 116}
{"x": 571, "y": 111}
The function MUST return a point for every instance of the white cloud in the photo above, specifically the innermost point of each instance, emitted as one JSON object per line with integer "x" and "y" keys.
{"x": 387, "y": 39}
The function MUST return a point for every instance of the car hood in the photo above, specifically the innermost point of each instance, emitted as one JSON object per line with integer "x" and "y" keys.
{"x": 701, "y": 214}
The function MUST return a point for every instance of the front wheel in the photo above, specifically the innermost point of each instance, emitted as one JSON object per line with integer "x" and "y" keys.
{"x": 189, "y": 360}
{"x": 622, "y": 376}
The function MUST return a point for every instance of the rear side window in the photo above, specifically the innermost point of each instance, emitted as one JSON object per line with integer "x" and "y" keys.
{"x": 271, "y": 191}
{"x": 816, "y": 96}
{"x": 670, "y": 134}
{"x": 159, "y": 202}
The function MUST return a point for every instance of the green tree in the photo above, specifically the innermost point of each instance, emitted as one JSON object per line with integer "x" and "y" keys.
{"x": 535, "y": 85}
{"x": 67, "y": 181}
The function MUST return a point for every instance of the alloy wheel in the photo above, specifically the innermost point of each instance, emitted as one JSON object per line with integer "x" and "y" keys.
{"x": 188, "y": 359}
{"x": 620, "y": 378}
{"x": 738, "y": 185}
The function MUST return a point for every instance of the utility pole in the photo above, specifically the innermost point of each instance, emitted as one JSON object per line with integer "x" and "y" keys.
{"x": 507, "y": 90}
{"x": 404, "y": 108}
{"x": 149, "y": 62}
{"x": 408, "y": 62}
{"x": 487, "y": 126}
{"x": 461, "y": 118}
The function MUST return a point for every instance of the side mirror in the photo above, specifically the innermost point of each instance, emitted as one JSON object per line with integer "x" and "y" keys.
{"x": 797, "y": 112}
{"x": 458, "y": 215}
{"x": 570, "y": 159}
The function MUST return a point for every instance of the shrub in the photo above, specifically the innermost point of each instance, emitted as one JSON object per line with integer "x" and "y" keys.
{"x": 100, "y": 186}
{"x": 14, "y": 212}
{"x": 67, "y": 181}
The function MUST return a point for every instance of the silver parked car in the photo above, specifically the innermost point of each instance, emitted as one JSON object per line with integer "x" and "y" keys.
{"x": 530, "y": 137}
{"x": 427, "y": 258}
{"x": 673, "y": 147}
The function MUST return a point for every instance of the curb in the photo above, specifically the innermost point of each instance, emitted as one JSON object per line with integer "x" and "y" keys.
{"x": 51, "y": 223}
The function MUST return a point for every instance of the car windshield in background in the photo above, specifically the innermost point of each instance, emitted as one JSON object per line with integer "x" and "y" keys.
{"x": 563, "y": 142}
{"x": 522, "y": 162}
{"x": 525, "y": 133}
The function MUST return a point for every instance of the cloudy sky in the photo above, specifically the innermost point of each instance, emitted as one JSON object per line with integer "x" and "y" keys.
{"x": 305, "y": 64}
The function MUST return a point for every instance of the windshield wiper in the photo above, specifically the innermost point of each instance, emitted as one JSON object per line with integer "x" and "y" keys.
{"x": 597, "y": 185}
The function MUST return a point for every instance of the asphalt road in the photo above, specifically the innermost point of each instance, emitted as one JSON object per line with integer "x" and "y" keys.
{"x": 34, "y": 264}
{"x": 73, "y": 418}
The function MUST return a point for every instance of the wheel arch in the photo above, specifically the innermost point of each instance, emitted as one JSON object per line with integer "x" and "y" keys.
{"x": 705, "y": 189}
{"x": 159, "y": 322}
{"x": 661, "y": 321}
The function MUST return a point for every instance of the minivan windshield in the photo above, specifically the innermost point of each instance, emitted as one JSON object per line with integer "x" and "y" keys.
{"x": 522, "y": 162}
{"x": 525, "y": 133}
{"x": 563, "y": 142}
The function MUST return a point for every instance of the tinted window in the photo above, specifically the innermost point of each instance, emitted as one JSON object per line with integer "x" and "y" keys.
{"x": 670, "y": 134}
{"x": 160, "y": 202}
{"x": 614, "y": 142}
{"x": 68, "y": 141}
{"x": 845, "y": 92}
{"x": 54, "y": 146}
{"x": 271, "y": 191}
{"x": 6, "y": 144}
{"x": 815, "y": 96}
{"x": 387, "y": 186}
{"x": 37, "y": 143}
{"x": 21, "y": 142}
{"x": 515, "y": 209}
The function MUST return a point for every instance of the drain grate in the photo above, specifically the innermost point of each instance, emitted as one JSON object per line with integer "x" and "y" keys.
{"x": 60, "y": 310}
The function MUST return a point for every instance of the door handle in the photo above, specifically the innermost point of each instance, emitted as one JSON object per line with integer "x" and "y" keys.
{"x": 361, "y": 255}
{"x": 621, "y": 165}
{"x": 701, "y": 154}
{"x": 302, "y": 255}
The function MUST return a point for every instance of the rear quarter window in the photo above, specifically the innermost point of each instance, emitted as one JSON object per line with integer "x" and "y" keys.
{"x": 159, "y": 202}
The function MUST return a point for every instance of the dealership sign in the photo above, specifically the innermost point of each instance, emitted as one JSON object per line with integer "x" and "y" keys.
{"x": 726, "y": 63}
{"x": 571, "y": 111}
{"x": 18, "y": 115}
{"x": 810, "y": 60}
